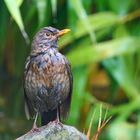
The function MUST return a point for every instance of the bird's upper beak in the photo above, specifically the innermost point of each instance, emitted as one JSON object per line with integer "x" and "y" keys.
{"x": 62, "y": 32}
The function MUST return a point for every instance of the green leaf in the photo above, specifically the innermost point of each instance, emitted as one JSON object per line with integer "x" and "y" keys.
{"x": 15, "y": 13}
{"x": 41, "y": 8}
{"x": 19, "y": 2}
{"x": 96, "y": 20}
{"x": 118, "y": 69}
{"x": 122, "y": 131}
{"x": 54, "y": 6}
{"x": 103, "y": 50}
{"x": 80, "y": 78}
{"x": 121, "y": 7}
{"x": 80, "y": 11}
{"x": 122, "y": 68}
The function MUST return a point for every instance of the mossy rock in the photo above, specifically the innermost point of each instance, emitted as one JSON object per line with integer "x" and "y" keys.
{"x": 54, "y": 131}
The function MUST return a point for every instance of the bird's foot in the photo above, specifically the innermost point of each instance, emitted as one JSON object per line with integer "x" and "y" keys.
{"x": 57, "y": 122}
{"x": 34, "y": 129}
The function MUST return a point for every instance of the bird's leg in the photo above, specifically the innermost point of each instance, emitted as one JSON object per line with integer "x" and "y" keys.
{"x": 57, "y": 121}
{"x": 34, "y": 124}
{"x": 34, "y": 127}
{"x": 58, "y": 115}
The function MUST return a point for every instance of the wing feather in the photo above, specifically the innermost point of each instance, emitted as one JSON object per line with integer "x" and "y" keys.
{"x": 29, "y": 111}
{"x": 65, "y": 107}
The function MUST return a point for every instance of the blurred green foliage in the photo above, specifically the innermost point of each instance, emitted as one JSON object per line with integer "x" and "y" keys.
{"x": 103, "y": 48}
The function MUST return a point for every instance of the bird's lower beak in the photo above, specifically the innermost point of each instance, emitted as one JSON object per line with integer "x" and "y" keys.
{"x": 62, "y": 32}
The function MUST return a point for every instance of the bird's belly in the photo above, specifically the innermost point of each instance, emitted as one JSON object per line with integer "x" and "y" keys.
{"x": 47, "y": 88}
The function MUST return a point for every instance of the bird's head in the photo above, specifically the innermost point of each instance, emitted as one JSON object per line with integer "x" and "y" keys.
{"x": 47, "y": 37}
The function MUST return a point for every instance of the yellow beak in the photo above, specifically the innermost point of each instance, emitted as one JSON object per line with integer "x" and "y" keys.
{"x": 62, "y": 32}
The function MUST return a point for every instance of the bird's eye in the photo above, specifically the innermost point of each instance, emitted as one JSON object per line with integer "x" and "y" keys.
{"x": 48, "y": 34}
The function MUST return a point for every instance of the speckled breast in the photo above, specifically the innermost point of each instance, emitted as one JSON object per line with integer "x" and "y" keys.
{"x": 47, "y": 80}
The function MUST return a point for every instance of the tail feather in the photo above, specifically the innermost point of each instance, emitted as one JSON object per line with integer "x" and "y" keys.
{"x": 65, "y": 108}
{"x": 49, "y": 116}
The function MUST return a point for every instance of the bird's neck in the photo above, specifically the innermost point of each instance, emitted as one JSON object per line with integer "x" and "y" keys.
{"x": 43, "y": 50}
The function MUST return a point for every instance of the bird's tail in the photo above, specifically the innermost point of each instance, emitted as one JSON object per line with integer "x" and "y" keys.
{"x": 49, "y": 116}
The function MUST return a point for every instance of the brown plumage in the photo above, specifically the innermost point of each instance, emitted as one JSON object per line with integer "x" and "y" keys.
{"x": 47, "y": 78}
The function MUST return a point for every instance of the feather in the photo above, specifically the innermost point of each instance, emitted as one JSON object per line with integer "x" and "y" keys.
{"x": 65, "y": 107}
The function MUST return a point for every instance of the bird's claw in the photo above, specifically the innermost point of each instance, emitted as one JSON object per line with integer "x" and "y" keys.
{"x": 34, "y": 129}
{"x": 57, "y": 122}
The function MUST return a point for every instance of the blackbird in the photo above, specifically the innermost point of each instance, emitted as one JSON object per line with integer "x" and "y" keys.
{"x": 47, "y": 78}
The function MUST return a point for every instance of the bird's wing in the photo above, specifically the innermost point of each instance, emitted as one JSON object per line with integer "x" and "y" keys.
{"x": 29, "y": 111}
{"x": 65, "y": 107}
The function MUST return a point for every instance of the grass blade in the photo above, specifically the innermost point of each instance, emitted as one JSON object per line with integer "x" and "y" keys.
{"x": 80, "y": 11}
{"x": 41, "y": 8}
{"x": 54, "y": 7}
{"x": 13, "y": 8}
{"x": 103, "y": 51}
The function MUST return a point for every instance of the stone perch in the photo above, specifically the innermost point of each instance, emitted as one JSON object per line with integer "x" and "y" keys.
{"x": 54, "y": 131}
